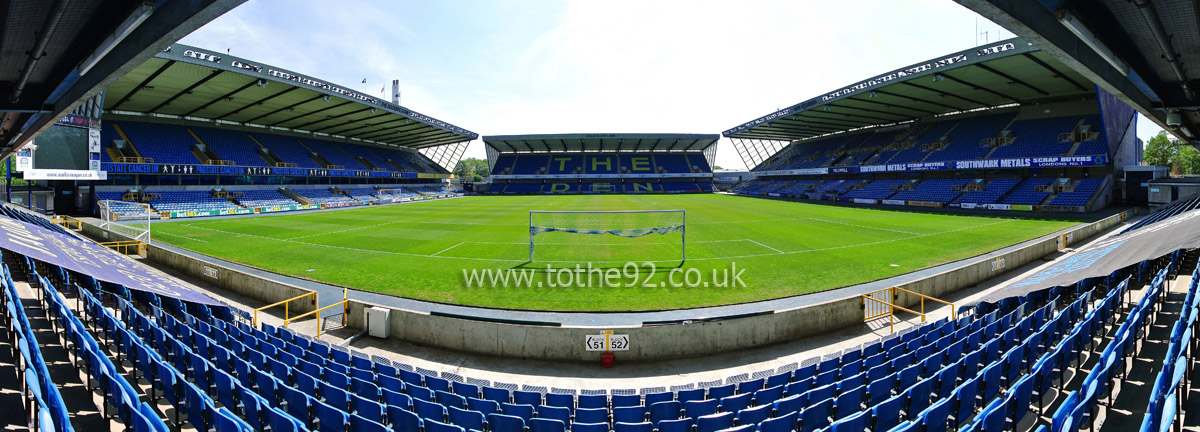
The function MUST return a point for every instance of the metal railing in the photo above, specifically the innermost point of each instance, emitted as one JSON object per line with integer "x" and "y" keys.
{"x": 135, "y": 160}
{"x": 68, "y": 222}
{"x": 286, "y": 307}
{"x": 345, "y": 304}
{"x": 880, "y": 303}
{"x": 127, "y": 247}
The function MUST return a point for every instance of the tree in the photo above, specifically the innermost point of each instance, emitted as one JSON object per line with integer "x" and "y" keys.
{"x": 1160, "y": 150}
{"x": 471, "y": 168}
{"x": 717, "y": 167}
{"x": 1187, "y": 158}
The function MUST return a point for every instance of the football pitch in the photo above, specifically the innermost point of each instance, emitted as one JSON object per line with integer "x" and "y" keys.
{"x": 475, "y": 250}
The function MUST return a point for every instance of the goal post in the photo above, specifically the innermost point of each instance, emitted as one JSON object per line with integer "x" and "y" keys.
{"x": 127, "y": 217}
{"x": 608, "y": 236}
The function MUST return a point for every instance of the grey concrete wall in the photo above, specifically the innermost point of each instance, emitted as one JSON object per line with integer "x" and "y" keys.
{"x": 647, "y": 343}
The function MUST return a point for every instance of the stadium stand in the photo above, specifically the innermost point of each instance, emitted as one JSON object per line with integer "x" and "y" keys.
{"x": 334, "y": 154}
{"x": 600, "y": 163}
{"x": 1028, "y": 192}
{"x": 174, "y": 144}
{"x": 1080, "y": 194}
{"x": 323, "y": 196}
{"x": 233, "y": 146}
{"x": 264, "y": 198}
{"x": 1038, "y": 137}
{"x": 187, "y": 201}
{"x": 990, "y": 193}
{"x": 288, "y": 150}
{"x": 878, "y": 189}
{"x": 360, "y": 193}
{"x": 964, "y": 139}
{"x": 936, "y": 190}
{"x": 163, "y": 143}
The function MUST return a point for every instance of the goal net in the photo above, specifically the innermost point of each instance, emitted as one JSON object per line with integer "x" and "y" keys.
{"x": 578, "y": 237}
{"x": 127, "y": 217}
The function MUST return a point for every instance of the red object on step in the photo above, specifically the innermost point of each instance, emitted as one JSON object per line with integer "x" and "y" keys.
{"x": 606, "y": 360}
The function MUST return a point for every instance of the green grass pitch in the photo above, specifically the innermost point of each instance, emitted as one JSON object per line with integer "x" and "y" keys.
{"x": 420, "y": 250}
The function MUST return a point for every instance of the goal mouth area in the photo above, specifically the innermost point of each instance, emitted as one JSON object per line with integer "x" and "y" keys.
{"x": 606, "y": 239}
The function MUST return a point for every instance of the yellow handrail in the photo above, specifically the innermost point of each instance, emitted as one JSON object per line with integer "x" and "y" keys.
{"x": 123, "y": 247}
{"x": 343, "y": 303}
{"x": 286, "y": 306}
{"x": 889, "y": 306}
{"x": 69, "y": 223}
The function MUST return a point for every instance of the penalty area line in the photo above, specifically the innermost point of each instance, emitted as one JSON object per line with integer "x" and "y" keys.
{"x": 763, "y": 245}
{"x": 446, "y": 249}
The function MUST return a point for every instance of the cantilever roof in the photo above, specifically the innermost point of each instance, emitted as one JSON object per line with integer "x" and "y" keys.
{"x": 998, "y": 74}
{"x": 198, "y": 84}
{"x": 601, "y": 142}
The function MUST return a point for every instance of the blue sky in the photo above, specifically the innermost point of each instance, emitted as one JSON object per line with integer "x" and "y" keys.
{"x": 533, "y": 66}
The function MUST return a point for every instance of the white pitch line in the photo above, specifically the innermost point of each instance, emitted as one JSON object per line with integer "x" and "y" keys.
{"x": 864, "y": 226}
{"x": 763, "y": 245}
{"x": 180, "y": 236}
{"x": 446, "y": 249}
{"x": 342, "y": 231}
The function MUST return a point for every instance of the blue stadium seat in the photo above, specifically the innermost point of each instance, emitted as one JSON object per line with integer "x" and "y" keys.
{"x": 361, "y": 424}
{"x": 524, "y": 411}
{"x": 633, "y": 427}
{"x": 669, "y": 410}
{"x": 547, "y": 425}
{"x": 437, "y": 426}
{"x": 589, "y": 427}
{"x": 755, "y": 415}
{"x": 714, "y": 422}
{"x": 470, "y": 420}
{"x": 557, "y": 413}
{"x": 817, "y": 416}
{"x": 697, "y": 408}
{"x": 591, "y": 415}
{"x": 783, "y": 423}
{"x": 403, "y": 420}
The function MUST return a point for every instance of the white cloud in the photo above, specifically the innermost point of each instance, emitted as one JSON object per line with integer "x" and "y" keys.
{"x": 670, "y": 66}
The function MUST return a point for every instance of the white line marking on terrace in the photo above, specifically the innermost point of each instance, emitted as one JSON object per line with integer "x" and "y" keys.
{"x": 446, "y": 249}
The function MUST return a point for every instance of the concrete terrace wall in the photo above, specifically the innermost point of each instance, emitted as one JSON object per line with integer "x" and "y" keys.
{"x": 648, "y": 342}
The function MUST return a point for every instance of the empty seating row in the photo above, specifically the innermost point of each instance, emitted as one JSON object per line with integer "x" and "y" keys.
{"x": 175, "y": 144}
{"x": 600, "y": 163}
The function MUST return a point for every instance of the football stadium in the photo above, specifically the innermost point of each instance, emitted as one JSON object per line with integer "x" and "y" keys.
{"x": 977, "y": 241}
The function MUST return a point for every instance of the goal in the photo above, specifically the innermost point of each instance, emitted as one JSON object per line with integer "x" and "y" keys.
{"x": 127, "y": 217}
{"x": 577, "y": 237}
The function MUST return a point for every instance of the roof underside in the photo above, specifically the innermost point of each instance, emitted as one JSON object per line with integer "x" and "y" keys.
{"x": 601, "y": 142}
{"x": 1001, "y": 74}
{"x": 54, "y": 55}
{"x": 198, "y": 84}
{"x": 1144, "y": 52}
